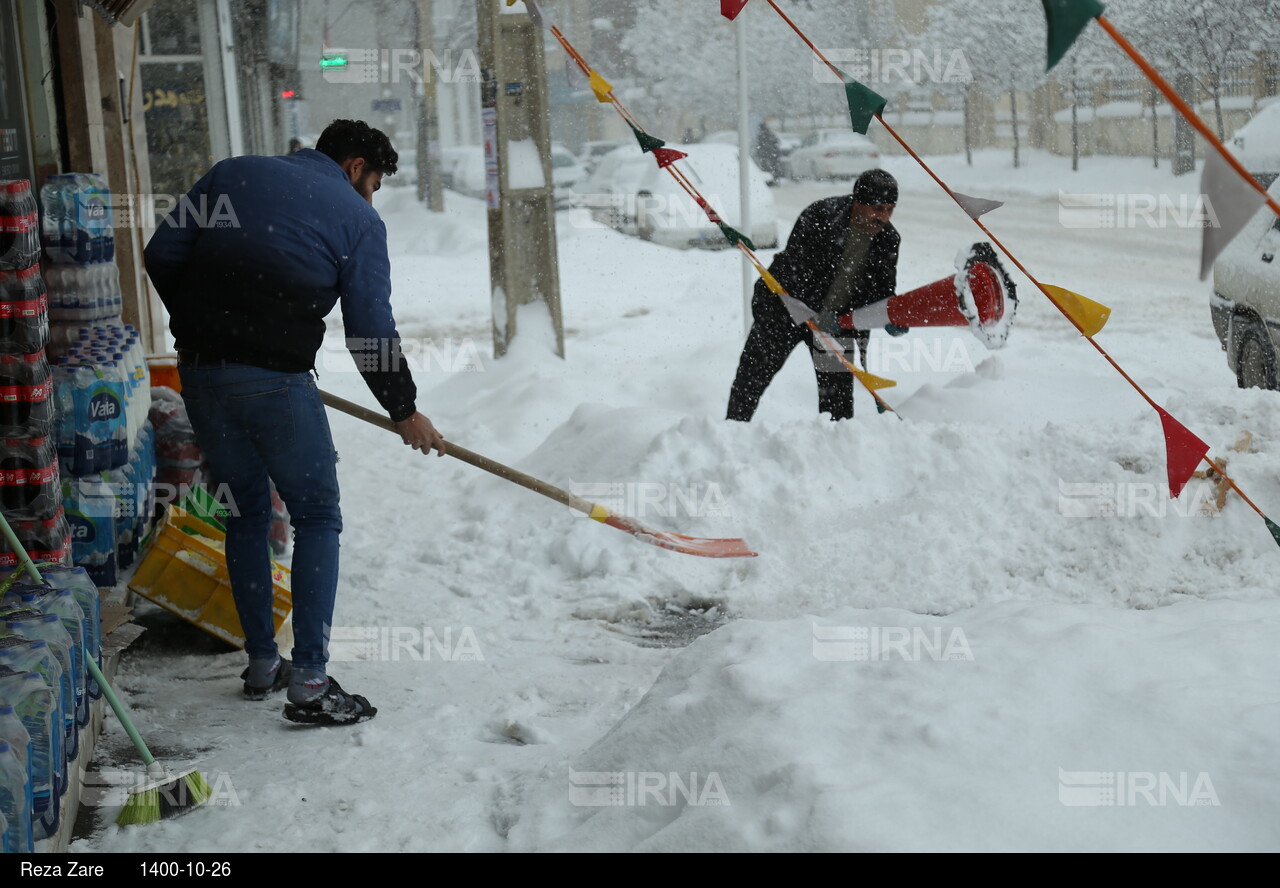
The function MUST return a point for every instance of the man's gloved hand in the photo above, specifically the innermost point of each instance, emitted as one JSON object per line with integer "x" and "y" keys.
{"x": 895, "y": 330}
{"x": 828, "y": 322}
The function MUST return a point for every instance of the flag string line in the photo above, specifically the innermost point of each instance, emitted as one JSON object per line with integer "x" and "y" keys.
{"x": 1103, "y": 352}
{"x": 829, "y": 344}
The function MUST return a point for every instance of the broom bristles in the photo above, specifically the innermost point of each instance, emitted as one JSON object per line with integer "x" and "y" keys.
{"x": 164, "y": 800}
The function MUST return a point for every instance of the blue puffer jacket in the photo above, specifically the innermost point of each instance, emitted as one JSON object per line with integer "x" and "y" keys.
{"x": 259, "y": 252}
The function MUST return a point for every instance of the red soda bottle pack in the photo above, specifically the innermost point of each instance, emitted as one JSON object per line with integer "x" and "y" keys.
{"x": 19, "y": 225}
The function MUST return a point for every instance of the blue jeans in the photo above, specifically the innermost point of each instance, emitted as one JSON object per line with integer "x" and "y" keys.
{"x": 253, "y": 424}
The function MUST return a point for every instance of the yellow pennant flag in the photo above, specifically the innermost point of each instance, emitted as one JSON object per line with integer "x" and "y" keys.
{"x": 870, "y": 381}
{"x": 600, "y": 87}
{"x": 1088, "y": 315}
{"x": 770, "y": 281}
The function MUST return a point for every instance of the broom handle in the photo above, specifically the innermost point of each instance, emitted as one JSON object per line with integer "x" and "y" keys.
{"x": 467, "y": 456}
{"x": 30, "y": 566}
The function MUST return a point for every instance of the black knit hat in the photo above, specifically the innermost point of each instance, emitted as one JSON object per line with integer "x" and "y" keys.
{"x": 875, "y": 187}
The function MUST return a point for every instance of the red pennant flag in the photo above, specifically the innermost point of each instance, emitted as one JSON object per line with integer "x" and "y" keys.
{"x": 1183, "y": 452}
{"x": 667, "y": 156}
{"x": 730, "y": 8}
{"x": 706, "y": 208}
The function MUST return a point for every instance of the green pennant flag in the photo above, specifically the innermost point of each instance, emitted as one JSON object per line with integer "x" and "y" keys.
{"x": 647, "y": 142}
{"x": 880, "y": 408}
{"x": 1275, "y": 530}
{"x": 735, "y": 237}
{"x": 1067, "y": 18}
{"x": 864, "y": 103}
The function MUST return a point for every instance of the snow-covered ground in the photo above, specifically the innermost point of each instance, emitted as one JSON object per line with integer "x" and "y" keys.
{"x": 942, "y": 645}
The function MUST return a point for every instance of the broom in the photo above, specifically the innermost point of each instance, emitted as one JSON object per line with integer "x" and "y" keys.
{"x": 165, "y": 794}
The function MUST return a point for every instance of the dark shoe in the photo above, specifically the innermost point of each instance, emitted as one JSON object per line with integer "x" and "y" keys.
{"x": 281, "y": 676}
{"x": 332, "y": 707}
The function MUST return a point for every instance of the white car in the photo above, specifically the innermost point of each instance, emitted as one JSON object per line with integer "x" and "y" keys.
{"x": 592, "y": 152}
{"x": 1257, "y": 144}
{"x": 1245, "y": 304}
{"x": 634, "y": 195}
{"x": 567, "y": 172}
{"x": 833, "y": 154}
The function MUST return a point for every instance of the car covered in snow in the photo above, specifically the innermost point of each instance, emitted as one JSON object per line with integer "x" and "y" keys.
{"x": 567, "y": 172}
{"x": 631, "y": 193}
{"x": 1257, "y": 144}
{"x": 833, "y": 154}
{"x": 1245, "y": 304}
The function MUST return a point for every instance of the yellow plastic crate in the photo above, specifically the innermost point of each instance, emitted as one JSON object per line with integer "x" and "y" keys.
{"x": 184, "y": 570}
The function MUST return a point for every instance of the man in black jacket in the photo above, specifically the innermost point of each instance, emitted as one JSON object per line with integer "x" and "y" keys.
{"x": 842, "y": 254}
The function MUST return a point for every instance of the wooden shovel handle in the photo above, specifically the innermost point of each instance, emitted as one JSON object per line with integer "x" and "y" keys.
{"x": 467, "y": 456}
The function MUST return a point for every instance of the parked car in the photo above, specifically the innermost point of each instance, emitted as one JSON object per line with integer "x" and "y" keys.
{"x": 465, "y": 171}
{"x": 635, "y": 196}
{"x": 591, "y": 152}
{"x": 833, "y": 154}
{"x": 1245, "y": 305}
{"x": 450, "y": 158}
{"x": 1257, "y": 144}
{"x": 566, "y": 173}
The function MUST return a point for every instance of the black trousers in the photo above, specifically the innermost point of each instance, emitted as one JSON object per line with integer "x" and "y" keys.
{"x": 772, "y": 338}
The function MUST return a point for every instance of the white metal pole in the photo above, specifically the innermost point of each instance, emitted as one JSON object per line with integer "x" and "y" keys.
{"x": 744, "y": 167}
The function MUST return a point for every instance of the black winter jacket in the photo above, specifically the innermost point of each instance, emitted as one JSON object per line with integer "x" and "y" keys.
{"x": 808, "y": 264}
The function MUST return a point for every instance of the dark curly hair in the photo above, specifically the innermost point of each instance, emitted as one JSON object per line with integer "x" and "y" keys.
{"x": 345, "y": 139}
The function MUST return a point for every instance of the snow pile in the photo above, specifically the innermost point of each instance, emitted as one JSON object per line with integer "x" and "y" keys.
{"x": 1016, "y": 726}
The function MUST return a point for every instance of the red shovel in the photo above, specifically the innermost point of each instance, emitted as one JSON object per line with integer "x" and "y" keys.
{"x": 676, "y": 542}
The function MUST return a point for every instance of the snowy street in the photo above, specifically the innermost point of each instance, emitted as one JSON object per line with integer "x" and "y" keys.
{"x": 982, "y": 627}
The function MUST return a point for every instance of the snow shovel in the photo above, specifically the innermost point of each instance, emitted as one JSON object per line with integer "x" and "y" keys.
{"x": 706, "y": 547}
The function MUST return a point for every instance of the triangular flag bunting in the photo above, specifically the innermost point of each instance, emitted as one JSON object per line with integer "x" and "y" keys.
{"x": 735, "y": 237}
{"x": 1067, "y": 18}
{"x": 730, "y": 8}
{"x": 798, "y": 310}
{"x": 774, "y": 287}
{"x": 577, "y": 80}
{"x": 667, "y": 156}
{"x": 1088, "y": 315}
{"x": 706, "y": 207}
{"x": 864, "y": 103}
{"x": 976, "y": 206}
{"x": 647, "y": 142}
{"x": 1274, "y": 528}
{"x": 537, "y": 17}
{"x": 873, "y": 382}
{"x": 1229, "y": 202}
{"x": 1184, "y": 452}
{"x": 601, "y": 88}
{"x": 880, "y": 407}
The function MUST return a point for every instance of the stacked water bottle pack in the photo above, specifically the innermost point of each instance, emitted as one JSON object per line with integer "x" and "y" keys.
{"x": 79, "y": 252}
{"x": 106, "y": 447}
{"x": 46, "y": 637}
{"x": 29, "y": 471}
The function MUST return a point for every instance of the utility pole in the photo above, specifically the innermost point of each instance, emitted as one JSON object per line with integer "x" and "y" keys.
{"x": 430, "y": 191}
{"x": 519, "y": 190}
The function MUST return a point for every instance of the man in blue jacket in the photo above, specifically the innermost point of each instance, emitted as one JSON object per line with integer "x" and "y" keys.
{"x": 248, "y": 265}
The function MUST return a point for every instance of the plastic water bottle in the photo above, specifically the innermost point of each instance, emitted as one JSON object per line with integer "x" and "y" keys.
{"x": 15, "y": 789}
{"x": 40, "y": 626}
{"x": 91, "y": 509}
{"x": 76, "y": 579}
{"x": 33, "y": 691}
{"x": 34, "y": 704}
{"x": 17, "y": 822}
{"x": 62, "y": 604}
{"x": 55, "y": 223}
